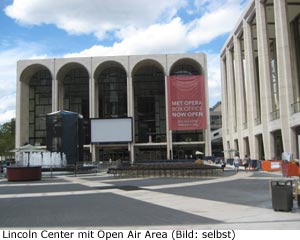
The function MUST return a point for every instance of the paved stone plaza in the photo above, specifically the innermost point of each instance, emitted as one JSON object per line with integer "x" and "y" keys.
{"x": 241, "y": 201}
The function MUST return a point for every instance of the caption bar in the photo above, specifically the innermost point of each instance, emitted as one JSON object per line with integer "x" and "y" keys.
{"x": 112, "y": 234}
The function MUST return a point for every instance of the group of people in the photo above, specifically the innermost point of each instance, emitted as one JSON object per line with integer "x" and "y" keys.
{"x": 237, "y": 162}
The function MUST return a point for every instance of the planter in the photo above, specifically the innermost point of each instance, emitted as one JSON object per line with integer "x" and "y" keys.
{"x": 24, "y": 173}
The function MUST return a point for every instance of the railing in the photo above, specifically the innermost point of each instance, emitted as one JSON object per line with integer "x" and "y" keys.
{"x": 275, "y": 115}
{"x": 166, "y": 170}
{"x": 78, "y": 168}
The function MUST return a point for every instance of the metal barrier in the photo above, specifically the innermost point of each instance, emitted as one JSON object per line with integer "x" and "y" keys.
{"x": 78, "y": 168}
{"x": 166, "y": 170}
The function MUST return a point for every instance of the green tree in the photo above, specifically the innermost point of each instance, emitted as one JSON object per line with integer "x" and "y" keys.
{"x": 7, "y": 138}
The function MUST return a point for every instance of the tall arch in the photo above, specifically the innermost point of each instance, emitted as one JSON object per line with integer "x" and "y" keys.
{"x": 186, "y": 66}
{"x": 149, "y": 110}
{"x": 195, "y": 138}
{"x": 36, "y": 98}
{"x": 73, "y": 92}
{"x": 111, "y": 90}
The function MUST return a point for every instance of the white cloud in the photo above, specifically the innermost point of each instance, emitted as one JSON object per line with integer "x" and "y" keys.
{"x": 214, "y": 78}
{"x": 213, "y": 24}
{"x": 177, "y": 36}
{"x": 7, "y": 115}
{"x": 141, "y": 27}
{"x": 7, "y": 101}
{"x": 8, "y": 62}
{"x": 174, "y": 36}
{"x": 7, "y": 107}
{"x": 93, "y": 16}
{"x": 158, "y": 38}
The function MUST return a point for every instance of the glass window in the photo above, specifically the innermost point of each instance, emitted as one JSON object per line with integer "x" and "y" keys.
{"x": 76, "y": 96}
{"x": 40, "y": 98}
{"x": 149, "y": 104}
{"x": 112, "y": 83}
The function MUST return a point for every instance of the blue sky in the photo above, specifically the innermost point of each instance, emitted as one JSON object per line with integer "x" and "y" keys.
{"x": 65, "y": 28}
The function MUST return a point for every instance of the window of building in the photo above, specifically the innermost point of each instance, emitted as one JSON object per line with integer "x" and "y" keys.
{"x": 295, "y": 26}
{"x": 76, "y": 96}
{"x": 234, "y": 88}
{"x": 244, "y": 80}
{"x": 149, "y": 104}
{"x": 112, "y": 83}
{"x": 256, "y": 70}
{"x": 40, "y": 104}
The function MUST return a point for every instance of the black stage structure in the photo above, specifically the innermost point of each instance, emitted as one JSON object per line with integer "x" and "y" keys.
{"x": 65, "y": 134}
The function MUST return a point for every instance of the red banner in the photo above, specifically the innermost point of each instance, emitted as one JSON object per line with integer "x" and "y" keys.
{"x": 187, "y": 102}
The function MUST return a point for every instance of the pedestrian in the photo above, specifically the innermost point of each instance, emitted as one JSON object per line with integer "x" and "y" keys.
{"x": 236, "y": 163}
{"x": 4, "y": 171}
{"x": 246, "y": 163}
{"x": 223, "y": 164}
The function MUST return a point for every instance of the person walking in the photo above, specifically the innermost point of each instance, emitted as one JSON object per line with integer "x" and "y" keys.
{"x": 246, "y": 163}
{"x": 236, "y": 163}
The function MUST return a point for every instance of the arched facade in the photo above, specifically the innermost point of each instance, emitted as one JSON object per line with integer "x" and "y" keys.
{"x": 36, "y": 92}
{"x": 149, "y": 110}
{"x": 187, "y": 67}
{"x": 115, "y": 87}
{"x": 111, "y": 90}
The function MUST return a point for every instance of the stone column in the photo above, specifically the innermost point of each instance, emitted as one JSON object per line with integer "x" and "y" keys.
{"x": 284, "y": 73}
{"x": 92, "y": 96}
{"x": 54, "y": 95}
{"x": 130, "y": 110}
{"x": 92, "y": 106}
{"x": 230, "y": 99}
{"x": 265, "y": 76}
{"x": 168, "y": 132}
{"x": 54, "y": 90}
{"x": 224, "y": 104}
{"x": 250, "y": 88}
{"x": 240, "y": 111}
{"x": 22, "y": 117}
{"x": 207, "y": 131}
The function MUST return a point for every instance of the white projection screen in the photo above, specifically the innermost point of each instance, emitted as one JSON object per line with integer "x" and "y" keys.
{"x": 115, "y": 130}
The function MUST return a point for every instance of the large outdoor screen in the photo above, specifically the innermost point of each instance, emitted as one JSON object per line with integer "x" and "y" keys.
{"x": 116, "y": 130}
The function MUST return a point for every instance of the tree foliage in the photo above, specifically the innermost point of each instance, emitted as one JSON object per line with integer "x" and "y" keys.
{"x": 7, "y": 138}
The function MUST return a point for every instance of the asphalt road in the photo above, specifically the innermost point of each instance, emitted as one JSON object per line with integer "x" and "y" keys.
{"x": 87, "y": 201}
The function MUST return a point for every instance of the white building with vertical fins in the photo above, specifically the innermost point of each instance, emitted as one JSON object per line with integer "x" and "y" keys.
{"x": 260, "y": 68}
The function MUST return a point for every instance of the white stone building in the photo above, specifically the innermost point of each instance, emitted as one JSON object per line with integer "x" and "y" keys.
{"x": 110, "y": 87}
{"x": 260, "y": 66}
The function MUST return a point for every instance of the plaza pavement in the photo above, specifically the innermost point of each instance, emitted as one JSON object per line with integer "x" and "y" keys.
{"x": 231, "y": 201}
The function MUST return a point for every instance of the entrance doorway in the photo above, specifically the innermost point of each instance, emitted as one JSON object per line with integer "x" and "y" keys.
{"x": 278, "y": 146}
{"x": 260, "y": 147}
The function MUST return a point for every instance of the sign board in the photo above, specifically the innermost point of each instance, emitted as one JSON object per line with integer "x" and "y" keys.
{"x": 275, "y": 165}
{"x": 115, "y": 130}
{"x": 187, "y": 102}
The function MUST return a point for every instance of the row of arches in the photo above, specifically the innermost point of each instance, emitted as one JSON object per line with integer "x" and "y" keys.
{"x": 185, "y": 66}
{"x": 111, "y": 100}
